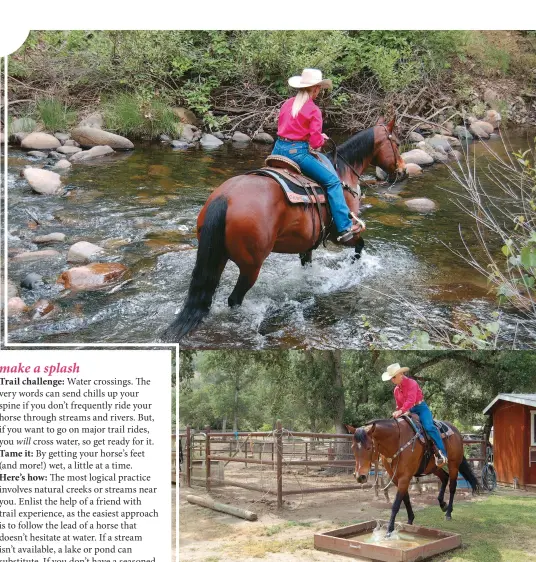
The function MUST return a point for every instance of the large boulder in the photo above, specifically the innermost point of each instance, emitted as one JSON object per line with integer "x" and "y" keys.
{"x": 185, "y": 115}
{"x": 413, "y": 170}
{"x": 420, "y": 205}
{"x": 92, "y": 276}
{"x": 463, "y": 133}
{"x": 92, "y": 153}
{"x": 263, "y": 138}
{"x": 19, "y": 137}
{"x": 95, "y": 121}
{"x": 44, "y": 182}
{"x": 240, "y": 137}
{"x": 415, "y": 137}
{"x": 90, "y": 136}
{"x": 493, "y": 118}
{"x": 188, "y": 133}
{"x": 81, "y": 252}
{"x": 210, "y": 141}
{"x": 69, "y": 150}
{"x": 417, "y": 156}
{"x": 481, "y": 129}
{"x": 40, "y": 141}
{"x": 438, "y": 141}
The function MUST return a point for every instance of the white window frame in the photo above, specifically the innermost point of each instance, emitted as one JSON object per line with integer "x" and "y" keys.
{"x": 532, "y": 428}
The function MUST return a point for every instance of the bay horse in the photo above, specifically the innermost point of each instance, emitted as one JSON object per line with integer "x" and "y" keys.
{"x": 248, "y": 217}
{"x": 401, "y": 454}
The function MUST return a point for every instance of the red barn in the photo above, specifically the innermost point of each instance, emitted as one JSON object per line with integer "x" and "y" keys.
{"x": 514, "y": 438}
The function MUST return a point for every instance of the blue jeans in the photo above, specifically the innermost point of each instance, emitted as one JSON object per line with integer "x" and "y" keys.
{"x": 322, "y": 172}
{"x": 423, "y": 411}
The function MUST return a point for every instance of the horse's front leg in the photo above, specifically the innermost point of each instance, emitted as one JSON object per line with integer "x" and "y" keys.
{"x": 442, "y": 475}
{"x": 403, "y": 485}
{"x": 409, "y": 509}
{"x": 306, "y": 257}
{"x": 360, "y": 244}
{"x": 453, "y": 482}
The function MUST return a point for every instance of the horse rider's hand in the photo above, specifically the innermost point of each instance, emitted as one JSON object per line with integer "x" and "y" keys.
{"x": 397, "y": 414}
{"x": 325, "y": 136}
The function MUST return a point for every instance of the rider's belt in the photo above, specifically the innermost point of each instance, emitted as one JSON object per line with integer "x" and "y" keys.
{"x": 417, "y": 403}
{"x": 290, "y": 140}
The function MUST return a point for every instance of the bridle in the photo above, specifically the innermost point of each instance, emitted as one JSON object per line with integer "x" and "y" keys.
{"x": 336, "y": 156}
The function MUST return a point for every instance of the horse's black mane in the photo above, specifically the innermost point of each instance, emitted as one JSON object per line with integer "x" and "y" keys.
{"x": 354, "y": 150}
{"x": 361, "y": 435}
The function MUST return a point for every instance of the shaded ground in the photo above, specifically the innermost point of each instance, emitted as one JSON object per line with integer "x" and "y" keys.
{"x": 173, "y": 523}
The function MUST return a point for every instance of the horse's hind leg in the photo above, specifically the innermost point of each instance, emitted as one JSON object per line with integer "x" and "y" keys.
{"x": 306, "y": 257}
{"x": 246, "y": 280}
{"x": 453, "y": 482}
{"x": 409, "y": 509}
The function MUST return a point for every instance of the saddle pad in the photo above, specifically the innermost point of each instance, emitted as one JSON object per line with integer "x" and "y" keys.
{"x": 294, "y": 192}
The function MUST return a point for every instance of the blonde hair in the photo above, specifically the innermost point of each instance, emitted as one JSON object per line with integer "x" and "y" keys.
{"x": 302, "y": 97}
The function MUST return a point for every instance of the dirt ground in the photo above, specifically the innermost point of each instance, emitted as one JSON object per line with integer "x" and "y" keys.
{"x": 285, "y": 535}
{"x": 173, "y": 523}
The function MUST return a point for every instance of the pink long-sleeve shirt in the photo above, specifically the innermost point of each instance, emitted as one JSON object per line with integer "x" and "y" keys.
{"x": 407, "y": 394}
{"x": 306, "y": 126}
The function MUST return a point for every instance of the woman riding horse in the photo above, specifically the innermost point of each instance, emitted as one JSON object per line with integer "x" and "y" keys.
{"x": 300, "y": 135}
{"x": 409, "y": 398}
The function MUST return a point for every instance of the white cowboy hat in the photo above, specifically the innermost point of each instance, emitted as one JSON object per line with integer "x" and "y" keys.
{"x": 309, "y": 77}
{"x": 393, "y": 370}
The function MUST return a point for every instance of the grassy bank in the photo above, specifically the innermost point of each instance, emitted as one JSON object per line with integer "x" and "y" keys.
{"x": 236, "y": 79}
{"x": 498, "y": 528}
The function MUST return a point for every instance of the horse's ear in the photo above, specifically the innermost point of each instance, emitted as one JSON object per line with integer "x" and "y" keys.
{"x": 391, "y": 124}
{"x": 380, "y": 120}
{"x": 350, "y": 429}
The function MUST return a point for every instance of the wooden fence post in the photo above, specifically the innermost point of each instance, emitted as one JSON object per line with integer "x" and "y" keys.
{"x": 279, "y": 441}
{"x": 188, "y": 456}
{"x": 207, "y": 458}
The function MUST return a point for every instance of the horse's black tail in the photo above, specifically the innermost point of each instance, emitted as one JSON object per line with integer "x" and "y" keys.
{"x": 467, "y": 472}
{"x": 206, "y": 274}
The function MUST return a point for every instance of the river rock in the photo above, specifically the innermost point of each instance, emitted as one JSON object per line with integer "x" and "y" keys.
{"x": 70, "y": 142}
{"x": 188, "y": 133}
{"x": 417, "y": 156}
{"x": 95, "y": 121}
{"x": 12, "y": 290}
{"x": 22, "y": 125}
{"x": 52, "y": 237}
{"x": 43, "y": 308}
{"x": 415, "y": 137}
{"x": 31, "y": 281}
{"x": 240, "y": 137}
{"x": 43, "y": 181}
{"x": 463, "y": 133}
{"x": 455, "y": 155}
{"x": 263, "y": 138}
{"x": 33, "y": 256}
{"x": 219, "y": 135}
{"x": 165, "y": 138}
{"x": 481, "y": 129}
{"x": 16, "y": 306}
{"x": 210, "y": 141}
{"x": 62, "y": 164}
{"x": 53, "y": 155}
{"x": 69, "y": 150}
{"x": 40, "y": 141}
{"x": 37, "y": 154}
{"x": 185, "y": 115}
{"x": 179, "y": 144}
{"x": 90, "y": 136}
{"x": 62, "y": 137}
{"x": 491, "y": 97}
{"x": 92, "y": 276}
{"x": 2, "y": 136}
{"x": 438, "y": 153}
{"x": 92, "y": 153}
{"x": 420, "y": 205}
{"x": 493, "y": 118}
{"x": 453, "y": 141}
{"x": 438, "y": 141}
{"x": 380, "y": 174}
{"x": 81, "y": 252}
{"x": 413, "y": 169}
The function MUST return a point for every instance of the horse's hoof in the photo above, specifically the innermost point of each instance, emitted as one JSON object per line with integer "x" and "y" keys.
{"x": 410, "y": 521}
{"x": 448, "y": 518}
{"x": 443, "y": 507}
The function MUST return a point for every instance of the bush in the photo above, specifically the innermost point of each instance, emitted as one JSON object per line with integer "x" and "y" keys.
{"x": 55, "y": 115}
